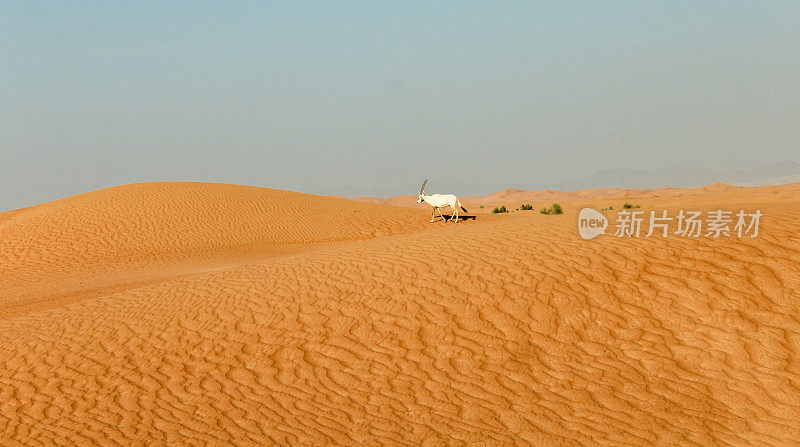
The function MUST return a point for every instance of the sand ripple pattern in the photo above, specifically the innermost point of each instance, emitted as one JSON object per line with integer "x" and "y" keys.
{"x": 498, "y": 332}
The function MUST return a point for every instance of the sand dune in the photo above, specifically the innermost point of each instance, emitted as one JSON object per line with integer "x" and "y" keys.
{"x": 131, "y": 234}
{"x": 191, "y": 314}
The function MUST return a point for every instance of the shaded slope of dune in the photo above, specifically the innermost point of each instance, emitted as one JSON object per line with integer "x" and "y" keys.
{"x": 156, "y": 221}
{"x": 130, "y": 233}
{"x": 502, "y": 331}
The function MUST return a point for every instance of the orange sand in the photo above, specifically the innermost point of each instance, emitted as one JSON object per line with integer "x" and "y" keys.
{"x": 192, "y": 314}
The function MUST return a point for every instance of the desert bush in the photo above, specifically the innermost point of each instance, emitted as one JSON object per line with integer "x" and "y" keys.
{"x": 526, "y": 207}
{"x": 555, "y": 209}
{"x": 629, "y": 206}
{"x": 501, "y": 209}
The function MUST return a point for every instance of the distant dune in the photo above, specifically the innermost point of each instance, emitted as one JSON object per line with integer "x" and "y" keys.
{"x": 518, "y": 196}
{"x": 212, "y": 314}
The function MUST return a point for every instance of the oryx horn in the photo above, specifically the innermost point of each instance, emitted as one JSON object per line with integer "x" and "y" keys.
{"x": 423, "y": 186}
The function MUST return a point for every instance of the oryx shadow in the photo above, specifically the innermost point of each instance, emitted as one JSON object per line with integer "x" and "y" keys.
{"x": 460, "y": 218}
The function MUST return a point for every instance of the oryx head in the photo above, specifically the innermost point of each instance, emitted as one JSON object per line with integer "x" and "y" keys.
{"x": 420, "y": 199}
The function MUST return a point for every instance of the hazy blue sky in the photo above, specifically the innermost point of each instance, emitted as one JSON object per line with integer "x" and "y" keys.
{"x": 370, "y": 98}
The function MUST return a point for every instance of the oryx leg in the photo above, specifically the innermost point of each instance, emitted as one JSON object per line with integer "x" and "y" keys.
{"x": 455, "y": 214}
{"x": 440, "y": 214}
{"x": 433, "y": 214}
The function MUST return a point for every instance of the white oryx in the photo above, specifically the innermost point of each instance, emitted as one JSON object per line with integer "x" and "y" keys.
{"x": 439, "y": 201}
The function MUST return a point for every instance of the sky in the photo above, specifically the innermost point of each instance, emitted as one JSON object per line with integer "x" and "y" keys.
{"x": 371, "y": 98}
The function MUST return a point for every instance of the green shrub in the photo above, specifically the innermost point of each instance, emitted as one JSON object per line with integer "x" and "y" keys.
{"x": 481, "y": 207}
{"x": 526, "y": 207}
{"x": 555, "y": 209}
{"x": 497, "y": 210}
{"x": 629, "y": 206}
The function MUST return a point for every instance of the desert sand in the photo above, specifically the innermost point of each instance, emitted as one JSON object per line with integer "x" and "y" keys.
{"x": 211, "y": 314}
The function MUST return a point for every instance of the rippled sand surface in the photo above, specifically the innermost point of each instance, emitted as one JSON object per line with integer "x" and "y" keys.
{"x": 210, "y": 314}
